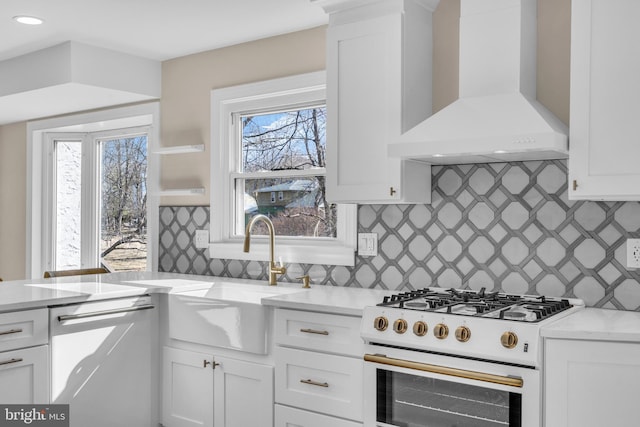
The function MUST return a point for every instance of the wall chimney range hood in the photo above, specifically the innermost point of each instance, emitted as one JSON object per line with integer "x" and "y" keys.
{"x": 497, "y": 117}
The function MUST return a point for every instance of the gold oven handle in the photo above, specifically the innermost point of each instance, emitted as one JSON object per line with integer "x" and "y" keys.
{"x": 453, "y": 372}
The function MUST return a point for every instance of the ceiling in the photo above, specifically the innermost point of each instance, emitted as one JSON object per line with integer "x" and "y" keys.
{"x": 36, "y": 80}
{"x": 153, "y": 29}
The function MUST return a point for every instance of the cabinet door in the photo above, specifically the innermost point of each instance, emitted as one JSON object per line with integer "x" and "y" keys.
{"x": 364, "y": 108}
{"x": 187, "y": 391}
{"x": 24, "y": 376}
{"x": 591, "y": 383}
{"x": 292, "y": 417}
{"x": 605, "y": 65}
{"x": 243, "y": 394}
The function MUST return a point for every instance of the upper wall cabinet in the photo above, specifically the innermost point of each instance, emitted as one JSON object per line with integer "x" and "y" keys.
{"x": 605, "y": 89}
{"x": 378, "y": 86}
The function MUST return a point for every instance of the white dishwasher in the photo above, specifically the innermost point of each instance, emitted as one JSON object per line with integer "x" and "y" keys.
{"x": 101, "y": 361}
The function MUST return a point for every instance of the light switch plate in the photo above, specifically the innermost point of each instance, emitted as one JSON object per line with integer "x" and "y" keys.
{"x": 202, "y": 239}
{"x": 367, "y": 244}
{"x": 633, "y": 253}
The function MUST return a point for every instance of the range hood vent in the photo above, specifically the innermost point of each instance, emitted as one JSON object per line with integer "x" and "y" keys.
{"x": 496, "y": 118}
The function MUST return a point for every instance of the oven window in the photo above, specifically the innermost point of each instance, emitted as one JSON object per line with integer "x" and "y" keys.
{"x": 411, "y": 401}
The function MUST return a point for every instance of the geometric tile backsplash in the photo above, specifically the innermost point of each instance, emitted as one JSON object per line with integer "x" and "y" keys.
{"x": 502, "y": 226}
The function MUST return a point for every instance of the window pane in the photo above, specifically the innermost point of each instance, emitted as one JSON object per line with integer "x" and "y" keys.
{"x": 284, "y": 141}
{"x": 68, "y": 196}
{"x": 123, "y": 230}
{"x": 300, "y": 211}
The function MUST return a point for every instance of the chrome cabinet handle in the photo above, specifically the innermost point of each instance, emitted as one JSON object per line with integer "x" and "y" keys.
{"x": 314, "y": 331}
{"x": 11, "y": 331}
{"x": 10, "y": 361}
{"x": 64, "y": 317}
{"x": 316, "y": 383}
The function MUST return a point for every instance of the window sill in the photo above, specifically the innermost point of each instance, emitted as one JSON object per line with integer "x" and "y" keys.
{"x": 326, "y": 253}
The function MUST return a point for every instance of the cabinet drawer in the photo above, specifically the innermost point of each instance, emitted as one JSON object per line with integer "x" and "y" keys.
{"x": 319, "y": 382}
{"x": 292, "y": 417}
{"x": 23, "y": 329}
{"x": 316, "y": 331}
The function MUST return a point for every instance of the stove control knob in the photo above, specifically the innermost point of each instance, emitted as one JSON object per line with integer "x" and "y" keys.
{"x": 509, "y": 339}
{"x": 420, "y": 328}
{"x": 380, "y": 323}
{"x": 400, "y": 326}
{"x": 441, "y": 331}
{"x": 463, "y": 334}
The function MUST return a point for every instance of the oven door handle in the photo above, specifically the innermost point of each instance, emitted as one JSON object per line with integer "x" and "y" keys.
{"x": 443, "y": 370}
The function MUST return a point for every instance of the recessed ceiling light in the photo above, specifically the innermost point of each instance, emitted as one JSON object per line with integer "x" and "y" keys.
{"x": 29, "y": 20}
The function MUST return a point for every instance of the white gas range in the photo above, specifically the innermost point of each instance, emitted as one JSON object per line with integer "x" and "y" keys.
{"x": 447, "y": 357}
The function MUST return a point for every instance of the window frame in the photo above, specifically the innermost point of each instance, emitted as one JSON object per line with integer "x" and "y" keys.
{"x": 147, "y": 114}
{"x": 227, "y": 104}
{"x": 90, "y": 193}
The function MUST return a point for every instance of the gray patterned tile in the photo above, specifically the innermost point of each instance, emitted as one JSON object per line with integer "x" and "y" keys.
{"x": 515, "y": 180}
{"x": 589, "y": 290}
{"x": 481, "y": 181}
{"x": 628, "y": 216}
{"x": 473, "y": 235}
{"x": 589, "y": 253}
{"x": 589, "y": 216}
{"x": 515, "y": 215}
{"x": 628, "y": 294}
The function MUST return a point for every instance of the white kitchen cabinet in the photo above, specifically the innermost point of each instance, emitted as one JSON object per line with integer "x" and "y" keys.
{"x": 378, "y": 86}
{"x": 200, "y": 389}
{"x": 243, "y": 394}
{"x": 319, "y": 368}
{"x": 591, "y": 383}
{"x": 24, "y": 357}
{"x": 292, "y": 417}
{"x": 24, "y": 376}
{"x": 187, "y": 388}
{"x": 605, "y": 65}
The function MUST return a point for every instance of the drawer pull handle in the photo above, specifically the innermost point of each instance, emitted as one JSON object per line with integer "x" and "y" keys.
{"x": 11, "y": 331}
{"x": 65, "y": 317}
{"x": 316, "y": 383}
{"x": 314, "y": 331}
{"x": 8, "y": 362}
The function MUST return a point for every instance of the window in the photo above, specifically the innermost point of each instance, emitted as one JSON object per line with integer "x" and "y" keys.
{"x": 268, "y": 157}
{"x": 98, "y": 200}
{"x": 74, "y": 132}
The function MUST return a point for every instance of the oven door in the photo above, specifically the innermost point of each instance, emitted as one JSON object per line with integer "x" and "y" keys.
{"x": 412, "y": 389}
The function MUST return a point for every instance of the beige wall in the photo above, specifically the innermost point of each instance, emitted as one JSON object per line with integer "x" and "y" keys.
{"x": 13, "y": 188}
{"x": 187, "y": 83}
{"x": 186, "y": 88}
{"x": 554, "y": 39}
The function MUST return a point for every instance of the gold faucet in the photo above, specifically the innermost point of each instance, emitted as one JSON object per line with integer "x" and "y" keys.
{"x": 274, "y": 269}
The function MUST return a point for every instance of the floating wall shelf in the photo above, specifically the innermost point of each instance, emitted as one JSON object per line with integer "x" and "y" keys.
{"x": 180, "y": 149}
{"x": 182, "y": 192}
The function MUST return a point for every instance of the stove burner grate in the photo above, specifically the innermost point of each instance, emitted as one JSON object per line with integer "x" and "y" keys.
{"x": 480, "y": 303}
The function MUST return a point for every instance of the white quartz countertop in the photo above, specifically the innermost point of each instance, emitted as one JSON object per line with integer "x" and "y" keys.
{"x": 596, "y": 324}
{"x": 329, "y": 299}
{"x": 25, "y": 294}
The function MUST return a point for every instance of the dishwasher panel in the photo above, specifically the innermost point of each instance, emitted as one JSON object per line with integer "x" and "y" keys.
{"x": 100, "y": 361}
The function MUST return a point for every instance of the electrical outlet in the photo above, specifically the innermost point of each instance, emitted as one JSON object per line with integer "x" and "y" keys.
{"x": 633, "y": 253}
{"x": 202, "y": 239}
{"x": 367, "y": 244}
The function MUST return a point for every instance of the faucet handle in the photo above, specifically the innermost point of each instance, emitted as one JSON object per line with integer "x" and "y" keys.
{"x": 306, "y": 281}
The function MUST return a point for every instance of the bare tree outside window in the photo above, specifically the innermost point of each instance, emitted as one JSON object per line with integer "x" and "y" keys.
{"x": 123, "y": 235}
{"x": 289, "y": 149}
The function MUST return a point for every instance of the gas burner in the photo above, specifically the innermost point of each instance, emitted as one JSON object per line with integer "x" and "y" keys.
{"x": 523, "y": 308}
